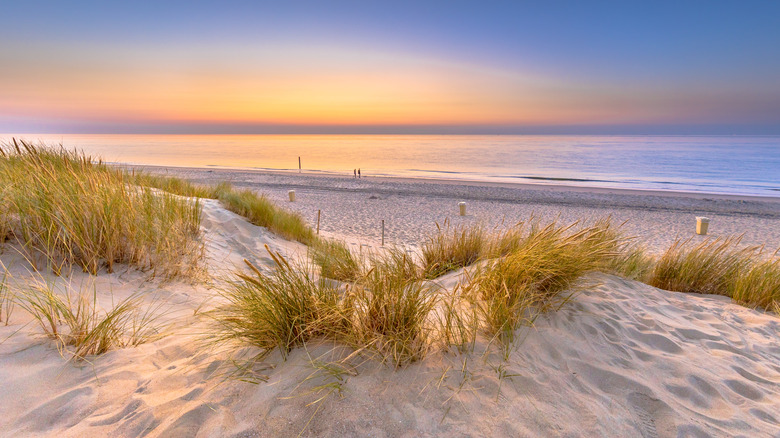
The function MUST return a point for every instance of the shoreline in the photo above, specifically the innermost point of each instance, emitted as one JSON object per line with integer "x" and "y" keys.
{"x": 543, "y": 184}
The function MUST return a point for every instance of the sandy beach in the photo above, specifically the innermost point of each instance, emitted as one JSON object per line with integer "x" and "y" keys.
{"x": 352, "y": 209}
{"x": 619, "y": 359}
{"x": 389, "y": 219}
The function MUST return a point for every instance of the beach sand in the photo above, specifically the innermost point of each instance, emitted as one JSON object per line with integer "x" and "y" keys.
{"x": 352, "y": 209}
{"x": 619, "y": 359}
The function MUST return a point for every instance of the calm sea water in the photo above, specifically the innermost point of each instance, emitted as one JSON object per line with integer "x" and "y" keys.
{"x": 712, "y": 164}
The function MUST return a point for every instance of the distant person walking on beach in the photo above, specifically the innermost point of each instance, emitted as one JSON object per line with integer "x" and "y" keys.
{"x": 355, "y": 172}
{"x": 358, "y": 172}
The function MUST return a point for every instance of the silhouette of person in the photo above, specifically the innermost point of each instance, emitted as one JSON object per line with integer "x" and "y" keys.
{"x": 355, "y": 172}
{"x": 358, "y": 172}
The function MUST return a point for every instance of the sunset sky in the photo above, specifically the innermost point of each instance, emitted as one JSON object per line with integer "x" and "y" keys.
{"x": 678, "y": 67}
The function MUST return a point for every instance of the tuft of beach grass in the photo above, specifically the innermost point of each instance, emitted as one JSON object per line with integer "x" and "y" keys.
{"x": 397, "y": 261}
{"x": 77, "y": 323}
{"x": 389, "y": 314}
{"x": 705, "y": 268}
{"x": 277, "y": 310}
{"x": 382, "y": 311}
{"x": 336, "y": 261}
{"x": 512, "y": 290}
{"x": 452, "y": 248}
{"x": 759, "y": 285}
{"x": 720, "y": 266}
{"x": 6, "y": 300}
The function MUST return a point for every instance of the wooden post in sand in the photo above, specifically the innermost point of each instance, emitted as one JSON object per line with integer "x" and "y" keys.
{"x": 462, "y": 206}
{"x": 299, "y": 164}
{"x": 702, "y": 223}
{"x": 383, "y": 232}
{"x": 291, "y": 195}
{"x": 318, "y": 221}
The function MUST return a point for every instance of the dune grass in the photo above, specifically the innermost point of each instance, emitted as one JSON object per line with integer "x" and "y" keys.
{"x": 65, "y": 208}
{"x": 722, "y": 267}
{"x": 387, "y": 309}
{"x": 176, "y": 186}
{"x": 705, "y": 268}
{"x": 75, "y": 319}
{"x": 504, "y": 242}
{"x": 392, "y": 311}
{"x": 258, "y": 209}
{"x": 397, "y": 315}
{"x": 758, "y": 286}
{"x": 457, "y": 321}
{"x": 5, "y": 216}
{"x": 278, "y": 310}
{"x": 452, "y": 248}
{"x": 398, "y": 262}
{"x": 632, "y": 262}
{"x": 389, "y": 315}
{"x": 6, "y": 300}
{"x": 380, "y": 311}
{"x": 510, "y": 291}
{"x": 336, "y": 261}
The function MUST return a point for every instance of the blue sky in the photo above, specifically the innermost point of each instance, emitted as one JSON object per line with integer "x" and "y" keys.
{"x": 391, "y": 67}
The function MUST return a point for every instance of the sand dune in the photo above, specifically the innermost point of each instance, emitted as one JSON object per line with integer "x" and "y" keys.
{"x": 620, "y": 359}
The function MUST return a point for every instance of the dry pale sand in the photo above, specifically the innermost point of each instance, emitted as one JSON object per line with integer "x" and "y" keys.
{"x": 619, "y": 359}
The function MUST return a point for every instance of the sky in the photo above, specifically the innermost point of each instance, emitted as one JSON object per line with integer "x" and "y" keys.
{"x": 394, "y": 67}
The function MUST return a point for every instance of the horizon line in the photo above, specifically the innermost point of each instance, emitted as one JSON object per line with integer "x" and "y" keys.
{"x": 234, "y": 129}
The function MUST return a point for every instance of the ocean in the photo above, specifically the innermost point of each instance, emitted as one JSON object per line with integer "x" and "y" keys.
{"x": 743, "y": 165}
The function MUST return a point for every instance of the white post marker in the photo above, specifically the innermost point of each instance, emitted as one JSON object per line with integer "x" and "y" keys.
{"x": 291, "y": 194}
{"x": 702, "y": 223}
{"x": 462, "y": 206}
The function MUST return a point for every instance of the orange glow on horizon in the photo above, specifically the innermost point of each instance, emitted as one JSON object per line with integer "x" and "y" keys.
{"x": 306, "y": 86}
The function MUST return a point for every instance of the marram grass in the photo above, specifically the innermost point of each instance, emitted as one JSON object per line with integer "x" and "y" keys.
{"x": 511, "y": 290}
{"x": 6, "y": 300}
{"x": 336, "y": 261}
{"x": 389, "y": 315}
{"x": 79, "y": 326}
{"x": 398, "y": 262}
{"x": 380, "y": 312}
{"x": 65, "y": 209}
{"x": 177, "y": 186}
{"x": 257, "y": 209}
{"x": 722, "y": 267}
{"x": 452, "y": 248}
{"x": 386, "y": 308}
{"x": 278, "y": 310}
{"x": 706, "y": 268}
{"x": 758, "y": 286}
